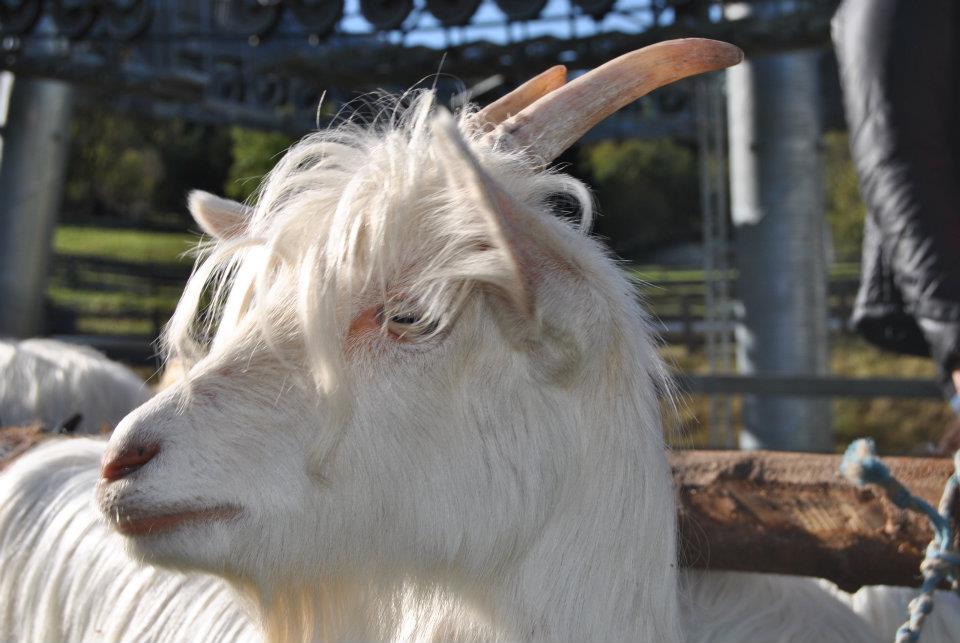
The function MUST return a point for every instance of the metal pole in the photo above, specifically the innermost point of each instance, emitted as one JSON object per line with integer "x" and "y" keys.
{"x": 780, "y": 235}
{"x": 35, "y": 131}
{"x": 712, "y": 152}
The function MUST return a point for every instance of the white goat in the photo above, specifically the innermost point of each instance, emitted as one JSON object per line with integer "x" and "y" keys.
{"x": 428, "y": 413}
{"x": 48, "y": 381}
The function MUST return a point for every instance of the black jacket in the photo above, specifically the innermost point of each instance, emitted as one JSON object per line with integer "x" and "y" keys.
{"x": 900, "y": 70}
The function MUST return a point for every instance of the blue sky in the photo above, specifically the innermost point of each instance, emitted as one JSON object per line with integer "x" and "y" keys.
{"x": 493, "y": 28}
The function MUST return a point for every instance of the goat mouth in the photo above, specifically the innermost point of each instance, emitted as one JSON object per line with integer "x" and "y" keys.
{"x": 142, "y": 524}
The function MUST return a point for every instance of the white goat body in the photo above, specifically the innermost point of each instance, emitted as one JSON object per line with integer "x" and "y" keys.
{"x": 428, "y": 412}
{"x": 885, "y": 609}
{"x": 48, "y": 381}
{"x": 64, "y": 576}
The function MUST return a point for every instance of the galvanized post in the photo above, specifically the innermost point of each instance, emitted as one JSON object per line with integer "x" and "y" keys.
{"x": 712, "y": 152}
{"x": 778, "y": 210}
{"x": 35, "y": 132}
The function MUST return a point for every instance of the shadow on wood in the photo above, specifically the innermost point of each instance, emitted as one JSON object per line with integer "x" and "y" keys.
{"x": 792, "y": 513}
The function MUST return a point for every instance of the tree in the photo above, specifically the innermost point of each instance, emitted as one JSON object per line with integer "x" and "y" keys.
{"x": 648, "y": 193}
{"x": 123, "y": 165}
{"x": 112, "y": 167}
{"x": 254, "y": 153}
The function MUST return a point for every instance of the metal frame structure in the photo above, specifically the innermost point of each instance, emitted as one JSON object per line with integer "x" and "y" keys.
{"x": 778, "y": 209}
{"x": 297, "y": 64}
{"x": 266, "y": 63}
{"x": 718, "y": 305}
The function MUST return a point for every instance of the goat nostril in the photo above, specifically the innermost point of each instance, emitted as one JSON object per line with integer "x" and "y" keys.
{"x": 128, "y": 460}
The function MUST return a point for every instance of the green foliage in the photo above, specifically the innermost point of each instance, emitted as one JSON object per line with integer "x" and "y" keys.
{"x": 195, "y": 156}
{"x": 254, "y": 154}
{"x": 127, "y": 166}
{"x": 845, "y": 208}
{"x": 111, "y": 165}
{"x": 647, "y": 191}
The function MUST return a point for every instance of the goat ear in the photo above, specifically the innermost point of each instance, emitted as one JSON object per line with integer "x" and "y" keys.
{"x": 509, "y": 221}
{"x": 218, "y": 217}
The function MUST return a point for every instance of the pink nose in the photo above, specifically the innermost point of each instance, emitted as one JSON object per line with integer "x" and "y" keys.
{"x": 127, "y": 460}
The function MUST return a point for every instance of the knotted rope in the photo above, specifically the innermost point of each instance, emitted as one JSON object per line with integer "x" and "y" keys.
{"x": 861, "y": 466}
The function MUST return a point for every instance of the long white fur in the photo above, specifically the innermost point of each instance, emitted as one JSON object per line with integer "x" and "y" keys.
{"x": 48, "y": 381}
{"x": 64, "y": 576}
{"x": 885, "y": 608}
{"x": 502, "y": 478}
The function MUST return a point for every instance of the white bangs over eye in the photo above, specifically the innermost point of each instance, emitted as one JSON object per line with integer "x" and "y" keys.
{"x": 361, "y": 212}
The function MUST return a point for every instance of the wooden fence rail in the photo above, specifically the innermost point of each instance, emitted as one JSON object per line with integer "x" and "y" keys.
{"x": 792, "y": 513}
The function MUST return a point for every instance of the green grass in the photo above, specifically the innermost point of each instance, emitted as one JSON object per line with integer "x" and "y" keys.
{"x": 899, "y": 426}
{"x": 119, "y": 304}
{"x": 125, "y": 245}
{"x": 89, "y": 301}
{"x": 112, "y": 326}
{"x": 660, "y": 274}
{"x": 169, "y": 247}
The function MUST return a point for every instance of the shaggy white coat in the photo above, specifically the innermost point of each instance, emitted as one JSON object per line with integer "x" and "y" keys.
{"x": 67, "y": 579}
{"x": 64, "y": 576}
{"x": 429, "y": 404}
{"x": 48, "y": 381}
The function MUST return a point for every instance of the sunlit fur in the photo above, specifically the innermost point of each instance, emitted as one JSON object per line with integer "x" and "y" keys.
{"x": 499, "y": 476}
{"x": 63, "y": 574}
{"x": 47, "y": 381}
{"x": 459, "y": 464}
{"x": 885, "y": 609}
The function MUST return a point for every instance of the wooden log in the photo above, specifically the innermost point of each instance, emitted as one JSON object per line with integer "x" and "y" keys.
{"x": 792, "y": 513}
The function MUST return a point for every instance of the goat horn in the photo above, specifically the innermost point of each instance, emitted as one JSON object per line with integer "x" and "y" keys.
{"x": 557, "y": 120}
{"x": 506, "y": 106}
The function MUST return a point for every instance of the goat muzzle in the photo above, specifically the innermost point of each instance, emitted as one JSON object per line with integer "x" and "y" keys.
{"x": 122, "y": 463}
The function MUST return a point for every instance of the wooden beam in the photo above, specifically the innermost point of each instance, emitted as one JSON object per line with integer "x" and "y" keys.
{"x": 792, "y": 513}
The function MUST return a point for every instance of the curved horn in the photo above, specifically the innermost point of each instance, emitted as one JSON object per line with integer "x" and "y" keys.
{"x": 556, "y": 121}
{"x": 506, "y": 106}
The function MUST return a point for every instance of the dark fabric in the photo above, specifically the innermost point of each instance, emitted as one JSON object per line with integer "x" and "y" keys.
{"x": 901, "y": 81}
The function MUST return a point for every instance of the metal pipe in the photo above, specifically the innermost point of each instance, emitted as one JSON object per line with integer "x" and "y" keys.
{"x": 35, "y": 137}
{"x": 778, "y": 210}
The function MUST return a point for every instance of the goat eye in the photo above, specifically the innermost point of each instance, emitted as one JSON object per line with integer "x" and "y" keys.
{"x": 404, "y": 320}
{"x": 406, "y": 325}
